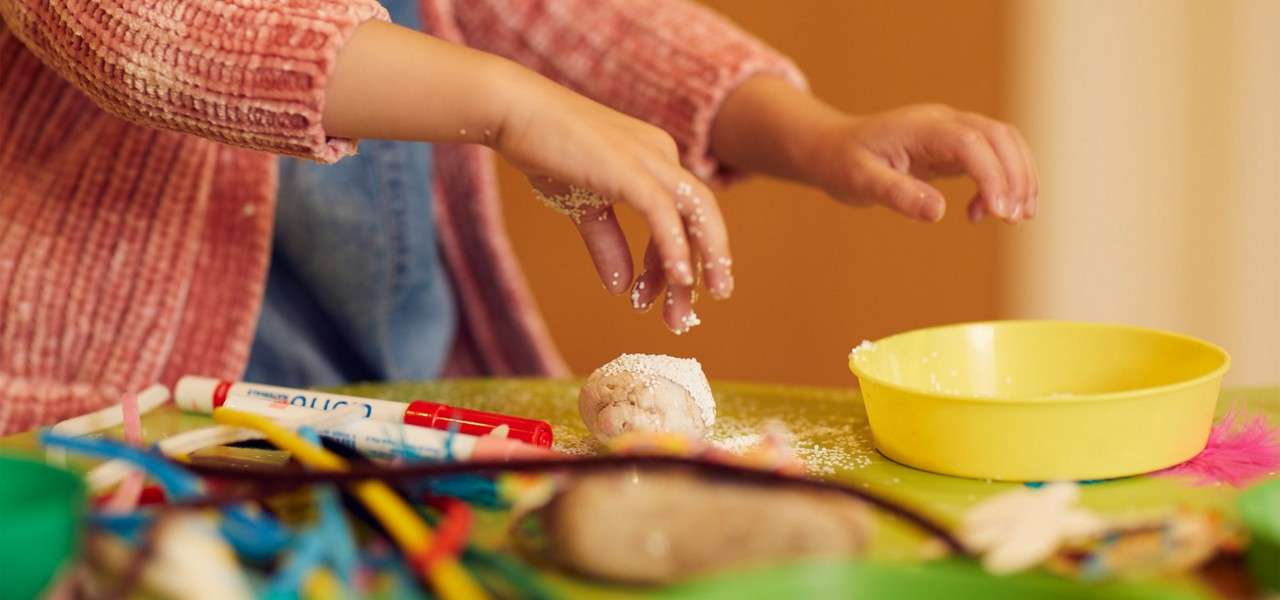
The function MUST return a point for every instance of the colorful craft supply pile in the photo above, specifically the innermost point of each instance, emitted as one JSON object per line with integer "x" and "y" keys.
{"x": 201, "y": 538}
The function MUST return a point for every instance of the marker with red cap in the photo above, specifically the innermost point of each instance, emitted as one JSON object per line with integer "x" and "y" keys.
{"x": 380, "y": 439}
{"x": 203, "y": 394}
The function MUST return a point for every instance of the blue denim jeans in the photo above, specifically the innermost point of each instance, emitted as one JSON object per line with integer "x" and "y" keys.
{"x": 356, "y": 289}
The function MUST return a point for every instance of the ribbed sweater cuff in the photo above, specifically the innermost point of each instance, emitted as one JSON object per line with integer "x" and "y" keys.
{"x": 250, "y": 73}
{"x": 691, "y": 128}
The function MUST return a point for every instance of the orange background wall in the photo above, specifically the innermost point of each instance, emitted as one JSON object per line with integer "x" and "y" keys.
{"x": 814, "y": 277}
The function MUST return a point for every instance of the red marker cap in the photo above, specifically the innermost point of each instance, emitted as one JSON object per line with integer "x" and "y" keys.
{"x": 477, "y": 422}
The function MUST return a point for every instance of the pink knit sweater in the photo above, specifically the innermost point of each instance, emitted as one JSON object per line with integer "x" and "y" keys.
{"x": 137, "y": 184}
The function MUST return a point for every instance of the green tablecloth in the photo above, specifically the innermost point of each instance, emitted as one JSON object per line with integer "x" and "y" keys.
{"x": 831, "y": 430}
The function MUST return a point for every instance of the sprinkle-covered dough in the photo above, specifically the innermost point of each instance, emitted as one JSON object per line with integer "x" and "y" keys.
{"x": 647, "y": 392}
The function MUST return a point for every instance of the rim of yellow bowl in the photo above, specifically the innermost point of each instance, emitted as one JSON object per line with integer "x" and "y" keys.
{"x": 1095, "y": 397}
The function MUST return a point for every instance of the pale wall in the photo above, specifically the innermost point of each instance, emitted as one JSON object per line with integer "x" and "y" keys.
{"x": 1157, "y": 131}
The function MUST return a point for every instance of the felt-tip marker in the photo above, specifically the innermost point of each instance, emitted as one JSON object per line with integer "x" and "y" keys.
{"x": 203, "y": 394}
{"x": 381, "y": 439}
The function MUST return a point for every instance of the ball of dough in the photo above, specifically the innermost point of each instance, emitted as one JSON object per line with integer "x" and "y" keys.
{"x": 650, "y": 393}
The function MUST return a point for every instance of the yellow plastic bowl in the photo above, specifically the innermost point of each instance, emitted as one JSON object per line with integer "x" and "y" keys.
{"x": 1039, "y": 400}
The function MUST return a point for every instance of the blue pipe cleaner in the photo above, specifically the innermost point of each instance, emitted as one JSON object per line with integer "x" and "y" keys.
{"x": 342, "y": 550}
{"x": 480, "y": 490}
{"x": 308, "y": 553}
{"x": 257, "y": 537}
{"x": 127, "y": 525}
{"x": 176, "y": 481}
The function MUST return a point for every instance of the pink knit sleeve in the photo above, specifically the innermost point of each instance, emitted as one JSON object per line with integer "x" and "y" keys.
{"x": 669, "y": 62}
{"x": 250, "y": 73}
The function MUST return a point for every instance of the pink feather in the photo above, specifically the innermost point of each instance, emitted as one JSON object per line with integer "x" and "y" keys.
{"x": 1234, "y": 455}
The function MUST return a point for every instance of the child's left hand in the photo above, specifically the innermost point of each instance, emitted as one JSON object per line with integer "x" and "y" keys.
{"x": 768, "y": 126}
{"x": 886, "y": 158}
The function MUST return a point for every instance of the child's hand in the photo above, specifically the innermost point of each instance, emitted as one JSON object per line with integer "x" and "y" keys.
{"x": 885, "y": 158}
{"x": 561, "y": 139}
{"x": 557, "y": 137}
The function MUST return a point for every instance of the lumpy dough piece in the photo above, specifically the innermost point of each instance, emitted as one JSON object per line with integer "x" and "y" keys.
{"x": 650, "y": 393}
{"x": 662, "y": 525}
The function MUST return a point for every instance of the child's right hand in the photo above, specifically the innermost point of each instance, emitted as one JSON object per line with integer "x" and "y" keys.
{"x": 559, "y": 138}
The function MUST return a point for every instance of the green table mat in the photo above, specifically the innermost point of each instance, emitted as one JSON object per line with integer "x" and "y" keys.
{"x": 830, "y": 426}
